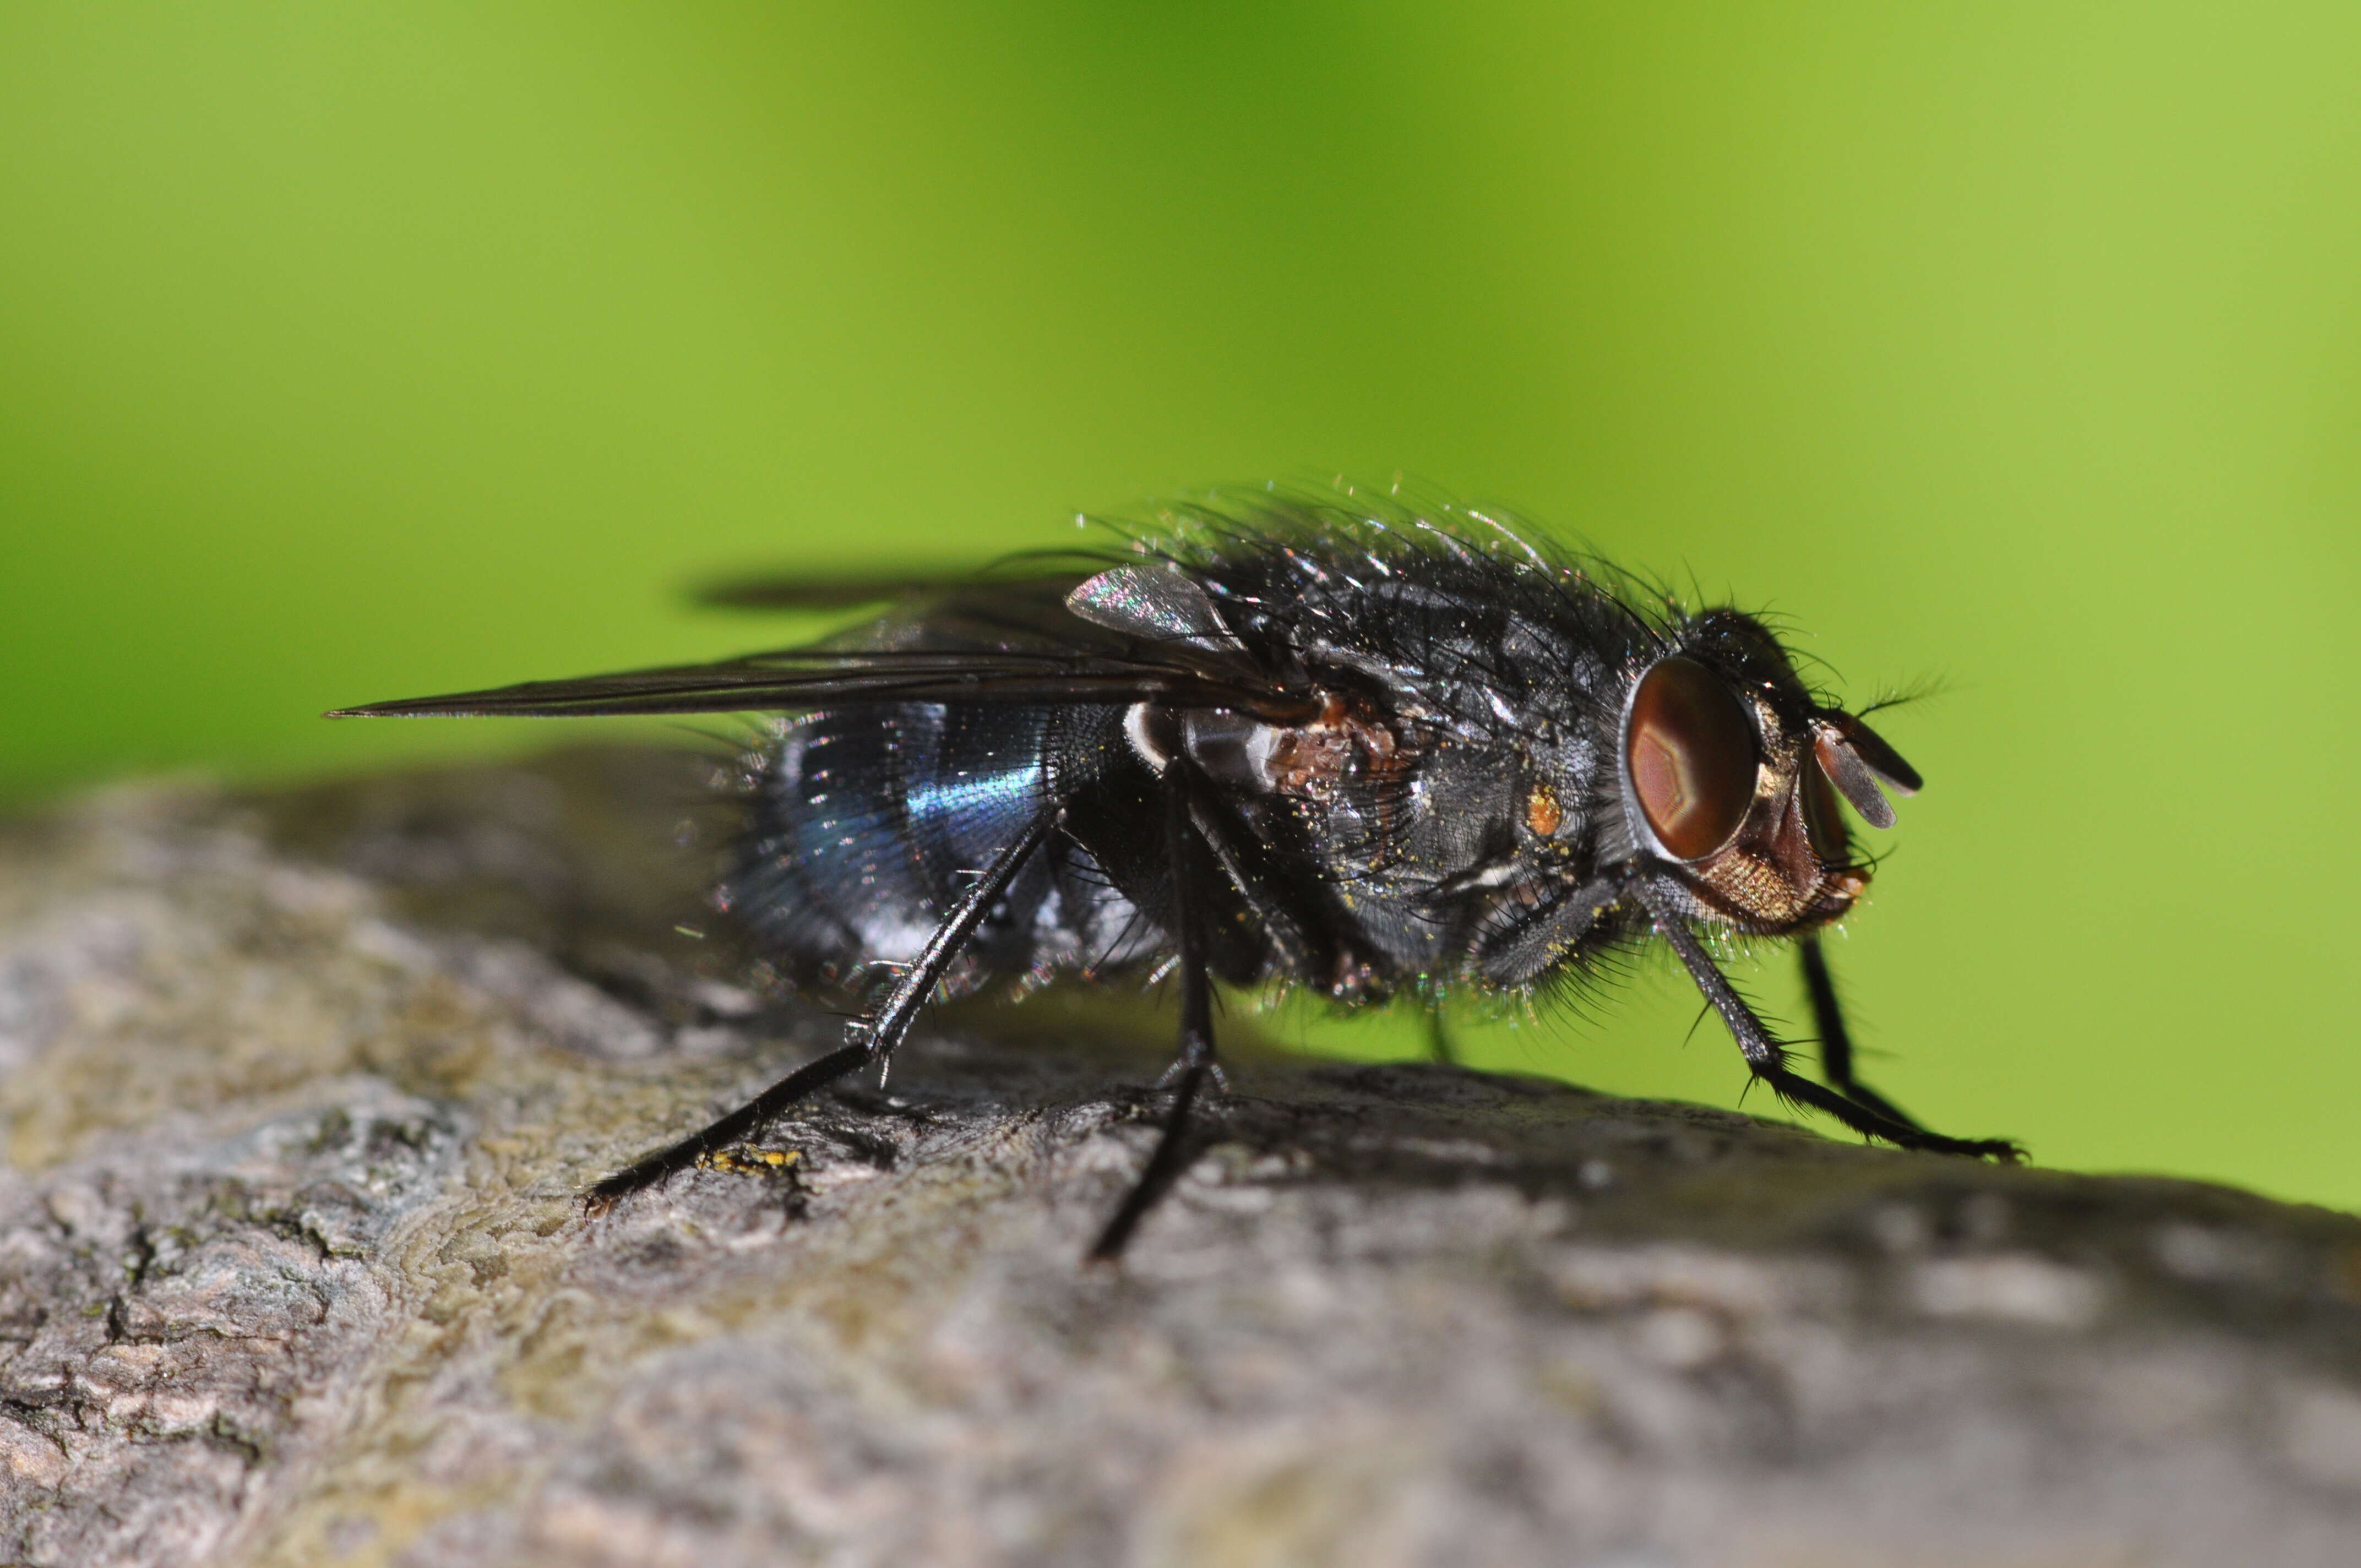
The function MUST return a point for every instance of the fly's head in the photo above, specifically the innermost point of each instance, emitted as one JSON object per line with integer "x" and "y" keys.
{"x": 1730, "y": 772}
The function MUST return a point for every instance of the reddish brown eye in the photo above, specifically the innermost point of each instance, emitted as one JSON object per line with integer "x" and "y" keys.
{"x": 1691, "y": 757}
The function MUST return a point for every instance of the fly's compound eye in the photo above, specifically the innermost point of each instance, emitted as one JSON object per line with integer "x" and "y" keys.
{"x": 1691, "y": 750}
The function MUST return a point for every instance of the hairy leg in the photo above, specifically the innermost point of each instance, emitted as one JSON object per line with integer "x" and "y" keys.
{"x": 1768, "y": 1057}
{"x": 1836, "y": 1040}
{"x": 867, "y": 1040}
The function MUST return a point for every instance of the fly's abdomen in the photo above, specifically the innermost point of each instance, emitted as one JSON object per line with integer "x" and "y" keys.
{"x": 868, "y": 825}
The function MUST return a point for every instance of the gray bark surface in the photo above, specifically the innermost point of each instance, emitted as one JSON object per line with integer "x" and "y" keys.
{"x": 297, "y": 1092}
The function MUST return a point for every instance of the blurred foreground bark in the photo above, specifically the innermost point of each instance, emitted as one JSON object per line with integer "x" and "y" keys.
{"x": 297, "y": 1092}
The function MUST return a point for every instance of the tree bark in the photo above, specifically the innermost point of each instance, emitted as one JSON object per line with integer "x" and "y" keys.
{"x": 298, "y": 1092}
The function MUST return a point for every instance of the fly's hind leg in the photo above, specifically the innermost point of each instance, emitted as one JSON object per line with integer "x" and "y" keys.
{"x": 866, "y": 1041}
{"x": 1836, "y": 1040}
{"x": 1195, "y": 1062}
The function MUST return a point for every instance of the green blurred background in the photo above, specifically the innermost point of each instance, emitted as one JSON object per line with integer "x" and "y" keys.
{"x": 357, "y": 351}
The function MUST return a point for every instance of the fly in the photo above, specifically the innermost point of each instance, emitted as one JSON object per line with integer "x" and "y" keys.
{"x": 1304, "y": 739}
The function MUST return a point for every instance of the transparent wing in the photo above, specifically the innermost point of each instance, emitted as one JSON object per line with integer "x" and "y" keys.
{"x": 806, "y": 679}
{"x": 1012, "y": 642}
{"x": 821, "y": 591}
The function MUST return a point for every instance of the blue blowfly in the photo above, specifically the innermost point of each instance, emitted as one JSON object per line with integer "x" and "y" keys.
{"x": 1308, "y": 737}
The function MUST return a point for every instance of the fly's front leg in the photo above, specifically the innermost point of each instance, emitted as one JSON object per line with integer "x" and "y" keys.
{"x": 1836, "y": 1040}
{"x": 1195, "y": 1061}
{"x": 1768, "y": 1057}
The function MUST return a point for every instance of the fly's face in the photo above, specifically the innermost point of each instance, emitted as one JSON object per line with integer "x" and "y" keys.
{"x": 1730, "y": 772}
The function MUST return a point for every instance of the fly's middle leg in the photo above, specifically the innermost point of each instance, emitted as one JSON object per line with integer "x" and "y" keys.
{"x": 1194, "y": 1062}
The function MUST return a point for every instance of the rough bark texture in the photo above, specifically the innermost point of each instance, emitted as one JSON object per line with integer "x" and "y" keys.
{"x": 298, "y": 1094}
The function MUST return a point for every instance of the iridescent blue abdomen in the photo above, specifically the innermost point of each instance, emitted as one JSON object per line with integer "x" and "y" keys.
{"x": 867, "y": 825}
